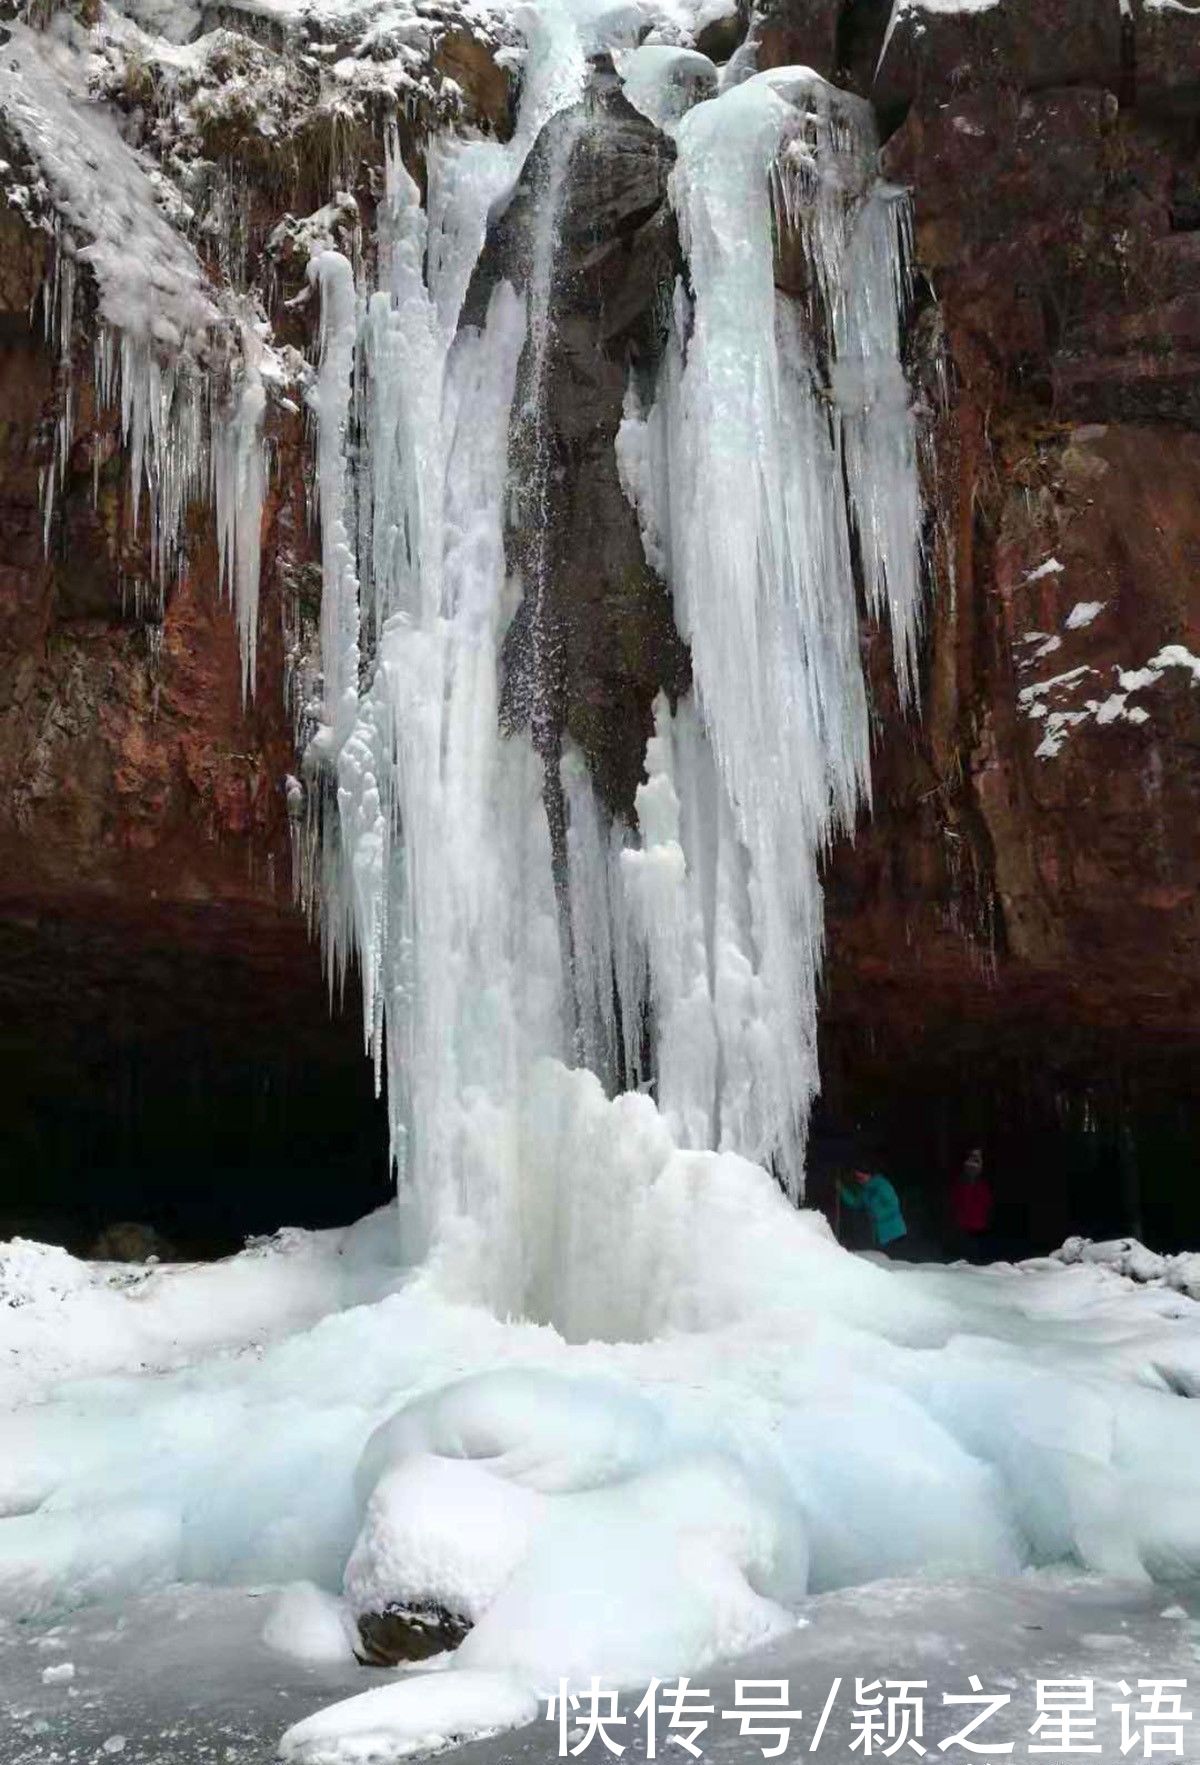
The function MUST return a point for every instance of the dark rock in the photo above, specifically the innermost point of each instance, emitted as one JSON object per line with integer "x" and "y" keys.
{"x": 1026, "y": 45}
{"x": 1166, "y": 58}
{"x": 721, "y": 36}
{"x": 408, "y": 1633}
{"x": 862, "y": 27}
{"x": 797, "y": 33}
{"x": 586, "y": 657}
{"x": 131, "y": 1241}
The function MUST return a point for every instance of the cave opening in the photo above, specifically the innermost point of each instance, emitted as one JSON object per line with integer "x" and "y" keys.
{"x": 183, "y": 1074}
{"x": 1084, "y": 1131}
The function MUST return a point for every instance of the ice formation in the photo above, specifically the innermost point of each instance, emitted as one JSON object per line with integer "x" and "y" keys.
{"x": 682, "y": 954}
{"x": 308, "y": 1624}
{"x": 780, "y": 434}
{"x": 188, "y": 428}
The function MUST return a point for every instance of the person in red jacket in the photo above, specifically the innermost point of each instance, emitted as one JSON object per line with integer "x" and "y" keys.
{"x": 971, "y": 1207}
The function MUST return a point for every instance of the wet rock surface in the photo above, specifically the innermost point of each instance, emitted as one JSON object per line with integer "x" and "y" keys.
{"x": 608, "y": 642}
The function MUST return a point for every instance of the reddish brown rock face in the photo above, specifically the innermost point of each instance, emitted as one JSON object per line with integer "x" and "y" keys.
{"x": 165, "y": 1029}
{"x": 129, "y": 765}
{"x": 1095, "y": 808}
{"x": 1027, "y": 45}
{"x": 1014, "y": 939}
{"x": 1015, "y": 935}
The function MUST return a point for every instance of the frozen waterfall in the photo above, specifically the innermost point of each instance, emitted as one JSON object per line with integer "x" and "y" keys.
{"x": 779, "y": 447}
{"x": 606, "y": 1406}
{"x": 774, "y": 475}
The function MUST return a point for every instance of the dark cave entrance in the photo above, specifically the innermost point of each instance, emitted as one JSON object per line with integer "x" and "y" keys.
{"x": 180, "y": 1071}
{"x": 1084, "y": 1131}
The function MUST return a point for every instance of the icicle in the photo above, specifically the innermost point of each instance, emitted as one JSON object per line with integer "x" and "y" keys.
{"x": 160, "y": 336}
{"x": 330, "y": 401}
{"x": 607, "y": 956}
{"x": 58, "y": 301}
{"x": 763, "y": 403}
{"x": 239, "y": 485}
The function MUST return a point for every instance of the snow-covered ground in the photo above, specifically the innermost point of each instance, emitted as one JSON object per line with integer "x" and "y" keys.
{"x": 793, "y": 1428}
{"x": 183, "y": 1677}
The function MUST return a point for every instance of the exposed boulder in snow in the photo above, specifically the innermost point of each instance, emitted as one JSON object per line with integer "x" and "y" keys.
{"x": 130, "y": 1241}
{"x": 440, "y": 1537}
{"x": 402, "y": 1633}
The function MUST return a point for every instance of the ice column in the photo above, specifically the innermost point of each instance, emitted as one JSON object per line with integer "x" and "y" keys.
{"x": 239, "y": 474}
{"x": 780, "y": 429}
{"x": 440, "y": 875}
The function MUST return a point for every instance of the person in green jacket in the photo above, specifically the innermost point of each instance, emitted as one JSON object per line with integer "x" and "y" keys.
{"x": 874, "y": 1194}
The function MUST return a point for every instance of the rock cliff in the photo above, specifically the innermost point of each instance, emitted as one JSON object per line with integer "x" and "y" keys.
{"x": 1014, "y": 933}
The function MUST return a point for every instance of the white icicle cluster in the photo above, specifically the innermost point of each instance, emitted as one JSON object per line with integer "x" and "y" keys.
{"x": 161, "y": 334}
{"x": 773, "y": 472}
{"x": 775, "y": 468}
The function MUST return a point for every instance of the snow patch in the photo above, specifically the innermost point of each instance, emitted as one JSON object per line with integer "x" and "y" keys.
{"x": 419, "y": 1715}
{"x": 1132, "y": 1260}
{"x": 1058, "y": 724}
{"x": 1047, "y": 643}
{"x": 1051, "y": 567}
{"x": 1082, "y": 614}
{"x": 308, "y": 1624}
{"x": 1029, "y": 696}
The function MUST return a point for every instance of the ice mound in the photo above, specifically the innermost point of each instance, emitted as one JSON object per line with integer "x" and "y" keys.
{"x": 540, "y": 1431}
{"x": 440, "y": 1533}
{"x": 309, "y": 1625}
{"x": 677, "y": 1552}
{"x": 792, "y": 1419}
{"x": 1125, "y": 1256}
{"x": 618, "y": 1234}
{"x": 787, "y": 1417}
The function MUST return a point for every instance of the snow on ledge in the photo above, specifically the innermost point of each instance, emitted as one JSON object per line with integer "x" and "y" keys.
{"x": 1082, "y": 614}
{"x": 150, "y": 283}
{"x": 1058, "y": 724}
